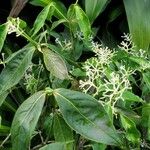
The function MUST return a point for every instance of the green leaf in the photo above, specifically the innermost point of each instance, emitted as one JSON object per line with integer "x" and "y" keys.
{"x": 98, "y": 146}
{"x": 15, "y": 68}
{"x": 71, "y": 15}
{"x": 146, "y": 79}
{"x": 145, "y": 121}
{"x": 3, "y": 97}
{"x": 48, "y": 125}
{"x": 3, "y": 33}
{"x": 56, "y": 23}
{"x": 62, "y": 132}
{"x": 129, "y": 96}
{"x": 55, "y": 64}
{"x": 115, "y": 13}
{"x": 82, "y": 21}
{"x": 86, "y": 115}
{"x": 60, "y": 10}
{"x": 4, "y": 130}
{"x": 132, "y": 133}
{"x": 25, "y": 121}
{"x": 138, "y": 16}
{"x": 42, "y": 3}
{"x": 55, "y": 146}
{"x": 94, "y": 7}
{"x": 40, "y": 20}
{"x": 143, "y": 63}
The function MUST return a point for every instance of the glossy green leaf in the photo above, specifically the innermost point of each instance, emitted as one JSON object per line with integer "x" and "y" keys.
{"x": 132, "y": 133}
{"x": 25, "y": 120}
{"x": 86, "y": 115}
{"x": 40, "y": 20}
{"x": 62, "y": 132}
{"x": 94, "y": 7}
{"x": 82, "y": 21}
{"x": 138, "y": 16}
{"x": 145, "y": 121}
{"x": 3, "y": 33}
{"x": 15, "y": 68}
{"x": 55, "y": 146}
{"x": 129, "y": 96}
{"x": 55, "y": 64}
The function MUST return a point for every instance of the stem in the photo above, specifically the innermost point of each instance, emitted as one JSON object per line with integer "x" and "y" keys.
{"x": 30, "y": 39}
{"x": 5, "y": 140}
{"x": 76, "y": 1}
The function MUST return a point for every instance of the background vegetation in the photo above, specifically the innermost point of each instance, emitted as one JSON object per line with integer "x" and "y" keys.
{"x": 75, "y": 75}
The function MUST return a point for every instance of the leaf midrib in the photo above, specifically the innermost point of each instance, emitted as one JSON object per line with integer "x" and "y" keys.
{"x": 88, "y": 118}
{"x": 13, "y": 75}
{"x": 33, "y": 104}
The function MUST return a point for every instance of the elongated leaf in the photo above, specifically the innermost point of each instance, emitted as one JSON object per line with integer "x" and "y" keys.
{"x": 40, "y": 20}
{"x": 145, "y": 122}
{"x": 60, "y": 10}
{"x": 55, "y": 64}
{"x": 15, "y": 68}
{"x": 42, "y": 3}
{"x": 25, "y": 120}
{"x": 129, "y": 96}
{"x": 143, "y": 63}
{"x": 3, "y": 33}
{"x": 86, "y": 116}
{"x": 138, "y": 16}
{"x": 55, "y": 146}
{"x": 83, "y": 21}
{"x": 94, "y": 7}
{"x": 62, "y": 132}
{"x": 146, "y": 79}
{"x": 3, "y": 97}
{"x": 56, "y": 23}
{"x": 71, "y": 15}
{"x": 132, "y": 132}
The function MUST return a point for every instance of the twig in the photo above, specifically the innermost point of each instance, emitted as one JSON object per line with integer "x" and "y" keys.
{"x": 5, "y": 140}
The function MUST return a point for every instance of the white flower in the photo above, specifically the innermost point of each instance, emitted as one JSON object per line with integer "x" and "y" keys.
{"x": 13, "y": 26}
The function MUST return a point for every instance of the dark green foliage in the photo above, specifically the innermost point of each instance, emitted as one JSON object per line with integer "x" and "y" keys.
{"x": 62, "y": 88}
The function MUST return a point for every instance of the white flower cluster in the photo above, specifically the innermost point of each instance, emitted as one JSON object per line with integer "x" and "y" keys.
{"x": 117, "y": 85}
{"x": 95, "y": 69}
{"x": 94, "y": 72}
{"x": 65, "y": 45}
{"x": 98, "y": 83}
{"x": 79, "y": 35}
{"x": 104, "y": 54}
{"x": 13, "y": 26}
{"x": 128, "y": 45}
